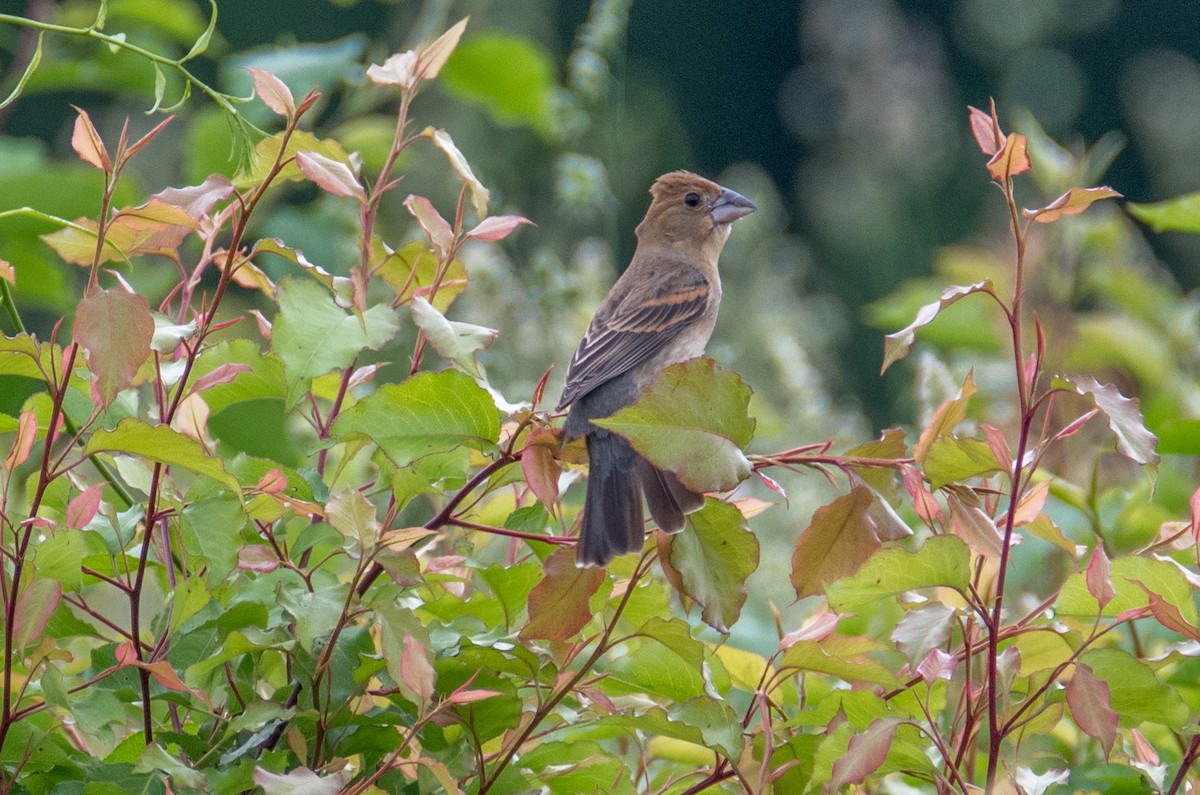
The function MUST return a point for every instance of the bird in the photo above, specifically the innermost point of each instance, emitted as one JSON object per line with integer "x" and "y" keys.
{"x": 660, "y": 311}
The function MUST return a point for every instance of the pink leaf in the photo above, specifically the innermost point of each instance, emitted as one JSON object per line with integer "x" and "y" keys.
{"x": 257, "y": 558}
{"x": 1195, "y": 524}
{"x": 1031, "y": 504}
{"x": 271, "y": 483}
{"x": 415, "y": 670}
{"x": 986, "y": 131}
{"x": 273, "y": 92}
{"x": 440, "y": 235}
{"x": 817, "y": 627}
{"x": 539, "y": 467}
{"x": 773, "y": 485}
{"x": 937, "y": 665}
{"x": 332, "y": 176}
{"x": 1099, "y": 577}
{"x": 83, "y": 508}
{"x": 23, "y": 443}
{"x": 223, "y": 374}
{"x": 866, "y": 753}
{"x": 999, "y": 447}
{"x": 115, "y": 328}
{"x": 433, "y": 56}
{"x": 36, "y": 603}
{"x": 470, "y": 696}
{"x": 198, "y": 200}
{"x": 924, "y": 503}
{"x": 1168, "y": 614}
{"x": 497, "y": 227}
{"x": 1073, "y": 202}
{"x": 1091, "y": 705}
{"x": 7, "y": 273}
{"x": 87, "y": 144}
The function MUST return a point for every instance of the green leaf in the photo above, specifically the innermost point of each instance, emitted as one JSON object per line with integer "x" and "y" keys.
{"x": 841, "y": 656}
{"x": 1136, "y": 693}
{"x": 352, "y": 515}
{"x": 942, "y": 561}
{"x": 1160, "y": 576}
{"x": 412, "y": 269}
{"x": 454, "y": 341}
{"x": 313, "y": 336}
{"x": 1179, "y": 214}
{"x": 155, "y": 758}
{"x": 59, "y": 558}
{"x": 714, "y": 556}
{"x": 951, "y": 460}
{"x": 161, "y": 444}
{"x": 691, "y": 421}
{"x": 427, "y": 414}
{"x": 897, "y": 344}
{"x": 922, "y": 630}
{"x": 718, "y": 725}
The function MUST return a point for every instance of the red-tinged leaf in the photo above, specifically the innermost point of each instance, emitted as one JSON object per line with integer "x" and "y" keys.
{"x": 36, "y": 602}
{"x": 470, "y": 696}
{"x": 1125, "y": 419}
{"x": 7, "y": 273}
{"x": 1011, "y": 160}
{"x": 970, "y": 522}
{"x": 273, "y": 92}
{"x": 1143, "y": 751}
{"x": 1168, "y": 614}
{"x": 137, "y": 145}
{"x": 937, "y": 665}
{"x": 87, "y": 144}
{"x": 1073, "y": 202}
{"x": 986, "y": 131}
{"x": 479, "y": 194}
{"x": 260, "y": 320}
{"x": 558, "y": 605}
{"x": 897, "y": 345}
{"x": 433, "y": 56}
{"x": 1073, "y": 427}
{"x": 998, "y": 445}
{"x": 271, "y": 483}
{"x": 223, "y": 374}
{"x": 497, "y": 227}
{"x": 539, "y": 467}
{"x": 416, "y": 670}
{"x": 1195, "y": 524}
{"x": 439, "y": 233}
{"x": 198, "y": 200}
{"x": 165, "y": 675}
{"x": 1031, "y": 504}
{"x": 125, "y": 654}
{"x": 23, "y": 443}
{"x": 82, "y": 509}
{"x": 867, "y": 751}
{"x": 816, "y": 627}
{"x": 924, "y": 503}
{"x": 258, "y": 558}
{"x": 115, "y": 328}
{"x": 773, "y": 485}
{"x": 1091, "y": 705}
{"x": 153, "y": 228}
{"x": 838, "y": 540}
{"x": 1099, "y": 577}
{"x": 332, "y": 176}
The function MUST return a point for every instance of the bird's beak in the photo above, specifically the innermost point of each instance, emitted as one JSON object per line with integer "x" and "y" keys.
{"x": 731, "y": 206}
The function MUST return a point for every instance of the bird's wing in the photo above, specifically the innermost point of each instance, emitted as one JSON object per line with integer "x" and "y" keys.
{"x": 634, "y": 330}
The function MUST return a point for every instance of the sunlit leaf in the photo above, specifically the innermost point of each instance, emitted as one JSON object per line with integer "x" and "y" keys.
{"x": 273, "y": 92}
{"x": 1179, "y": 214}
{"x": 87, "y": 144}
{"x": 330, "y": 175}
{"x": 1012, "y": 159}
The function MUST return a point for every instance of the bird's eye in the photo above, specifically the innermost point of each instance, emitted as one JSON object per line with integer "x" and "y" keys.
{"x": 692, "y": 200}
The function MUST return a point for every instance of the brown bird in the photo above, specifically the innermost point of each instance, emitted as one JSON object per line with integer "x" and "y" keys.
{"x": 661, "y": 311}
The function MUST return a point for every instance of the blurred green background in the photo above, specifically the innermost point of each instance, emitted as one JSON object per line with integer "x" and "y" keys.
{"x": 845, "y": 122}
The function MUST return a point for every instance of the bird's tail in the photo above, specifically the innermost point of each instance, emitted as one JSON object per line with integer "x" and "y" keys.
{"x": 612, "y": 516}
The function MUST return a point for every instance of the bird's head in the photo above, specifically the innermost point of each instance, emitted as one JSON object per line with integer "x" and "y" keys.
{"x": 689, "y": 210}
